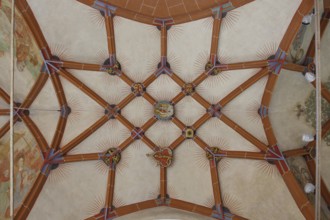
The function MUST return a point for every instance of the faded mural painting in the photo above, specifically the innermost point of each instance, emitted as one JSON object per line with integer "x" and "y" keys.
{"x": 308, "y": 111}
{"x": 27, "y": 52}
{"x": 27, "y": 158}
{"x": 27, "y": 162}
{"x": 310, "y": 104}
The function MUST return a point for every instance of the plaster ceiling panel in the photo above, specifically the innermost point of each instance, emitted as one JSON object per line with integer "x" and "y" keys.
{"x": 163, "y": 88}
{"x": 188, "y": 48}
{"x": 138, "y": 49}
{"x": 111, "y": 88}
{"x": 188, "y": 110}
{"x": 77, "y": 123}
{"x": 97, "y": 202}
{"x": 46, "y": 99}
{"x": 164, "y": 213}
{"x": 216, "y": 133}
{"x": 244, "y": 109}
{"x": 255, "y": 30}
{"x": 163, "y": 133}
{"x": 71, "y": 199}
{"x": 46, "y": 121}
{"x": 213, "y": 89}
{"x": 78, "y": 100}
{"x": 247, "y": 190}
{"x": 291, "y": 90}
{"x": 141, "y": 180}
{"x": 185, "y": 185}
{"x": 111, "y": 134}
{"x": 138, "y": 111}
{"x": 80, "y": 32}
{"x": 84, "y": 111}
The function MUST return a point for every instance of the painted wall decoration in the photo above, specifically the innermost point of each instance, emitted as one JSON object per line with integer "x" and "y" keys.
{"x": 308, "y": 111}
{"x": 300, "y": 171}
{"x": 27, "y": 53}
{"x": 163, "y": 157}
{"x": 297, "y": 52}
{"x": 27, "y": 163}
{"x": 4, "y": 181}
{"x": 4, "y": 149}
{"x": 4, "y": 28}
{"x": 27, "y": 158}
{"x": 164, "y": 110}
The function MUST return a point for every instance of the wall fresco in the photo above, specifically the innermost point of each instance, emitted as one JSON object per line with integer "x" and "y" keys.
{"x": 27, "y": 158}
{"x": 4, "y": 148}
{"x": 300, "y": 171}
{"x": 308, "y": 111}
{"x": 27, "y": 163}
{"x": 27, "y": 52}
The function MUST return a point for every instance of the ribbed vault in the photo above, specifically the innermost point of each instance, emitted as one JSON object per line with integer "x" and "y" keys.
{"x": 191, "y": 130}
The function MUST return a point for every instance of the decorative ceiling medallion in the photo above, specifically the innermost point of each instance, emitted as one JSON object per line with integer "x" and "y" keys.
{"x": 213, "y": 70}
{"x": 138, "y": 89}
{"x": 208, "y": 66}
{"x": 214, "y": 150}
{"x": 111, "y": 157}
{"x": 189, "y": 133}
{"x": 163, "y": 157}
{"x": 111, "y": 69}
{"x": 214, "y": 110}
{"x": 112, "y": 111}
{"x": 137, "y": 133}
{"x": 164, "y": 110}
{"x": 188, "y": 88}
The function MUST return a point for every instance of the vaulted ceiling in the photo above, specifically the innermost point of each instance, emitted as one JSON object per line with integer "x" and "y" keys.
{"x": 182, "y": 109}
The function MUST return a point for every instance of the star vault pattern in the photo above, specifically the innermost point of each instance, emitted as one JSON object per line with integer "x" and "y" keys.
{"x": 55, "y": 69}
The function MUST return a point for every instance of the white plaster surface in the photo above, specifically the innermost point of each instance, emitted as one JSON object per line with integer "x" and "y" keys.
{"x": 260, "y": 23}
{"x": 162, "y": 213}
{"x": 70, "y": 197}
{"x": 189, "y": 180}
{"x": 139, "y": 181}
